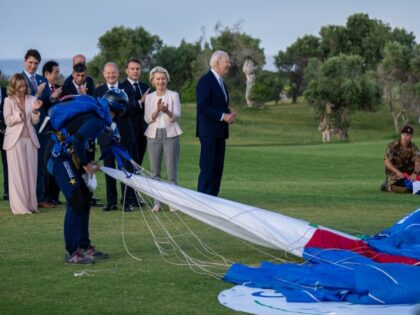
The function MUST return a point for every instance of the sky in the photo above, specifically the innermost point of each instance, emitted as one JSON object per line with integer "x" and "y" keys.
{"x": 61, "y": 29}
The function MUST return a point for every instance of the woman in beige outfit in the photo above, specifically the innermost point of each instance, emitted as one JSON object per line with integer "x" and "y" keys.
{"x": 21, "y": 112}
{"x": 162, "y": 111}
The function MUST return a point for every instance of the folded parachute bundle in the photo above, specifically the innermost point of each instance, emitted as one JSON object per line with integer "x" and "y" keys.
{"x": 379, "y": 270}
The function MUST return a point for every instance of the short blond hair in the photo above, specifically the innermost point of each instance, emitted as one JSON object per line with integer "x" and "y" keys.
{"x": 159, "y": 69}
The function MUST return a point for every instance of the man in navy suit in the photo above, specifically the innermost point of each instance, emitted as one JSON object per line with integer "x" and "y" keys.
{"x": 77, "y": 84}
{"x": 137, "y": 92}
{"x": 50, "y": 95}
{"x": 3, "y": 95}
{"x": 213, "y": 119}
{"x": 111, "y": 73}
{"x": 34, "y": 81}
{"x": 36, "y": 84}
{"x": 87, "y": 82}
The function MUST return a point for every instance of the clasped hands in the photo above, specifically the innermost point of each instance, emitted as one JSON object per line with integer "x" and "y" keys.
{"x": 230, "y": 117}
{"x": 161, "y": 106}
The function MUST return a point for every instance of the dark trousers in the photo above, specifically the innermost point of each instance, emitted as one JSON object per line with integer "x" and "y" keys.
{"x": 5, "y": 172}
{"x": 52, "y": 190}
{"x": 212, "y": 157}
{"x": 111, "y": 184}
{"x": 76, "y": 220}
{"x": 40, "y": 176}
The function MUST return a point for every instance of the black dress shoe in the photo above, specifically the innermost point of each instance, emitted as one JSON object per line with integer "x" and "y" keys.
{"x": 137, "y": 204}
{"x": 109, "y": 207}
{"x": 6, "y": 197}
{"x": 95, "y": 203}
{"x": 56, "y": 202}
{"x": 128, "y": 208}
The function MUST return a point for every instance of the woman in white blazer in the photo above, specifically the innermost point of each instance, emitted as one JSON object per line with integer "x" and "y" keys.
{"x": 21, "y": 112}
{"x": 162, "y": 112}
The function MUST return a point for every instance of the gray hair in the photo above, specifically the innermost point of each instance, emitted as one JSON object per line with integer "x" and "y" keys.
{"x": 216, "y": 56}
{"x": 159, "y": 69}
{"x": 110, "y": 63}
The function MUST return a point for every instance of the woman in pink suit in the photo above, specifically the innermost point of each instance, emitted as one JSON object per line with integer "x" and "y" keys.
{"x": 21, "y": 112}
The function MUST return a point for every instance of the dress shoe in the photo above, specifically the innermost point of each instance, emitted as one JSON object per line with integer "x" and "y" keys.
{"x": 128, "y": 208}
{"x": 137, "y": 204}
{"x": 45, "y": 204}
{"x": 56, "y": 202}
{"x": 110, "y": 207}
{"x": 6, "y": 197}
{"x": 96, "y": 203}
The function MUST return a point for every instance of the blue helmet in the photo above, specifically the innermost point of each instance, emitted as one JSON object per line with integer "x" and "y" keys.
{"x": 117, "y": 101}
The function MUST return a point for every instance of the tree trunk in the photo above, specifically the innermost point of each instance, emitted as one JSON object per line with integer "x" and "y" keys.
{"x": 249, "y": 71}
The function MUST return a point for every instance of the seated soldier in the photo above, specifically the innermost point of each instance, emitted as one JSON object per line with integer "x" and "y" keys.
{"x": 402, "y": 162}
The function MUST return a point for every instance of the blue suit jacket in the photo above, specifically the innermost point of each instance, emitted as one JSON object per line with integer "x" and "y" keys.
{"x": 211, "y": 104}
{"x": 46, "y": 103}
{"x": 39, "y": 80}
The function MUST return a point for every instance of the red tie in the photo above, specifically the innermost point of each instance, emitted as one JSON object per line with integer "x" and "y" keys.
{"x": 52, "y": 88}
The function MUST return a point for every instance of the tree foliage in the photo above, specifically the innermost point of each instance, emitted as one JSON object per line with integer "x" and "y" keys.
{"x": 267, "y": 88}
{"x": 294, "y": 61}
{"x": 337, "y": 87}
{"x": 122, "y": 43}
{"x": 181, "y": 63}
{"x": 239, "y": 46}
{"x": 399, "y": 77}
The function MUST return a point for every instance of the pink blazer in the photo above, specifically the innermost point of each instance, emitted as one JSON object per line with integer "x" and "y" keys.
{"x": 171, "y": 98}
{"x": 15, "y": 123}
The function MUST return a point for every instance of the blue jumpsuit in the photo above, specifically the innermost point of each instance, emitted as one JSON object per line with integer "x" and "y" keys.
{"x": 71, "y": 183}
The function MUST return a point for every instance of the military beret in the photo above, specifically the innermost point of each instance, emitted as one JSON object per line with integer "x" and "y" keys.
{"x": 407, "y": 129}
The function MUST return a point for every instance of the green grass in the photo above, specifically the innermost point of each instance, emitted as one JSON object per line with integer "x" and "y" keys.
{"x": 274, "y": 160}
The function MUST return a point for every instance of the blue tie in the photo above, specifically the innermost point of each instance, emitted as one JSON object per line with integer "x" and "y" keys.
{"x": 222, "y": 85}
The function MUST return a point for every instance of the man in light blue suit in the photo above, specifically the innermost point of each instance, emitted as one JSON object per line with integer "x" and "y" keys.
{"x": 36, "y": 84}
{"x": 213, "y": 119}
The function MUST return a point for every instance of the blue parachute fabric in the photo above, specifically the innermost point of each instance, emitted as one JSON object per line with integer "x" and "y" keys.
{"x": 403, "y": 238}
{"x": 341, "y": 275}
{"x": 362, "y": 284}
{"x": 63, "y": 112}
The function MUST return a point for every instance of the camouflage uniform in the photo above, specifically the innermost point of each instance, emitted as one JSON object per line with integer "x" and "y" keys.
{"x": 403, "y": 159}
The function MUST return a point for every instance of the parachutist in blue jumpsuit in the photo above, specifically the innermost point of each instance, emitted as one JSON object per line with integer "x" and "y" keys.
{"x": 69, "y": 165}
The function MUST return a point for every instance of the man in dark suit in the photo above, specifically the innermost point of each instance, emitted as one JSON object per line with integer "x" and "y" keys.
{"x": 50, "y": 95}
{"x": 87, "y": 82}
{"x": 78, "y": 84}
{"x": 137, "y": 92}
{"x": 34, "y": 81}
{"x": 213, "y": 118}
{"x": 36, "y": 84}
{"x": 3, "y": 95}
{"x": 125, "y": 128}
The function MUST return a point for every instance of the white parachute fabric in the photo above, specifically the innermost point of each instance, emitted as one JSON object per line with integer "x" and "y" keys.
{"x": 269, "y": 302}
{"x": 252, "y": 224}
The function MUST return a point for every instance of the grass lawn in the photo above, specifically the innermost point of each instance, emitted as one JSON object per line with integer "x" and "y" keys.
{"x": 274, "y": 160}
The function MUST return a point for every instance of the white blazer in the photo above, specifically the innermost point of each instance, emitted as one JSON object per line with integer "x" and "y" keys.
{"x": 15, "y": 123}
{"x": 171, "y": 99}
